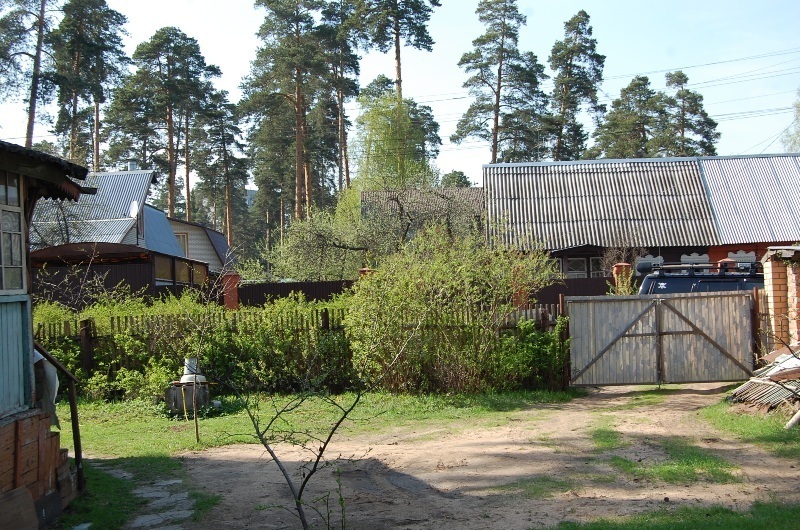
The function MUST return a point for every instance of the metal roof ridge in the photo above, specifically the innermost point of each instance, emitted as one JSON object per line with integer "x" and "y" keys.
{"x": 637, "y": 160}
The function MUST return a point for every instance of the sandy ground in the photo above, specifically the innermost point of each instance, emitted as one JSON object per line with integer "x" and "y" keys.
{"x": 464, "y": 477}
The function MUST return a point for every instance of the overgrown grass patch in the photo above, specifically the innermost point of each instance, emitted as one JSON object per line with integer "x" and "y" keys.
{"x": 761, "y": 515}
{"x": 538, "y": 486}
{"x": 138, "y": 434}
{"x": 107, "y": 504}
{"x": 764, "y": 430}
{"x": 685, "y": 463}
{"x": 604, "y": 436}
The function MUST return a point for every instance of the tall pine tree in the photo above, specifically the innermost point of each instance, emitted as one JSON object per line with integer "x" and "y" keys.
{"x": 692, "y": 132}
{"x": 578, "y": 73}
{"x": 509, "y": 110}
{"x": 288, "y": 75}
{"x": 24, "y": 53}
{"x": 89, "y": 58}
{"x": 393, "y": 22}
{"x": 175, "y": 73}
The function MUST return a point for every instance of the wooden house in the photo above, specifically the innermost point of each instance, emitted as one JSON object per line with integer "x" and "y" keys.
{"x": 34, "y": 470}
{"x": 690, "y": 210}
{"x": 116, "y": 235}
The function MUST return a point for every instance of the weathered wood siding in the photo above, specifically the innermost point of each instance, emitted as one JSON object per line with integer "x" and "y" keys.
{"x": 660, "y": 339}
{"x": 15, "y": 351}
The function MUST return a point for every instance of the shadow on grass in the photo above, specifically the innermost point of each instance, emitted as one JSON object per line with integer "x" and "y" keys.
{"x": 514, "y": 401}
{"x": 107, "y": 503}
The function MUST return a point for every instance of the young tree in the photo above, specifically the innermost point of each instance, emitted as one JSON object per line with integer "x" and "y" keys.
{"x": 389, "y": 131}
{"x": 509, "y": 105}
{"x": 176, "y": 74}
{"x": 395, "y": 21}
{"x": 791, "y": 139}
{"x": 89, "y": 56}
{"x": 692, "y": 132}
{"x": 24, "y": 24}
{"x": 455, "y": 179}
{"x": 579, "y": 72}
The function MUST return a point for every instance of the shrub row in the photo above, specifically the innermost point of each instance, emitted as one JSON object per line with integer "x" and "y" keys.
{"x": 264, "y": 350}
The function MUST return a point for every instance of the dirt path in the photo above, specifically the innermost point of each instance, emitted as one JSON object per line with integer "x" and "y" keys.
{"x": 486, "y": 477}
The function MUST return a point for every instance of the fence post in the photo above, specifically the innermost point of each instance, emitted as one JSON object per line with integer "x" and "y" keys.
{"x": 87, "y": 346}
{"x": 326, "y": 321}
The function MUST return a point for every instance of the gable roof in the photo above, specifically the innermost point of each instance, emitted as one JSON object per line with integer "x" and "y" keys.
{"x": 102, "y": 217}
{"x": 754, "y": 198}
{"x": 158, "y": 234}
{"x": 693, "y": 201}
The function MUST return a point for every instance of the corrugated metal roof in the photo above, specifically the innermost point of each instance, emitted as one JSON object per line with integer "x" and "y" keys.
{"x": 698, "y": 201}
{"x": 755, "y": 198}
{"x": 50, "y": 233}
{"x": 604, "y": 203}
{"x": 115, "y": 193}
{"x": 102, "y": 217}
{"x": 158, "y": 234}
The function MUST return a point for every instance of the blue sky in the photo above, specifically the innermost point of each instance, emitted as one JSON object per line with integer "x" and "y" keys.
{"x": 743, "y": 56}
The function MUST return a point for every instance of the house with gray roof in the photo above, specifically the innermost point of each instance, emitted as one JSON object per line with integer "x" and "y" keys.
{"x": 695, "y": 209}
{"x": 114, "y": 214}
{"x": 116, "y": 234}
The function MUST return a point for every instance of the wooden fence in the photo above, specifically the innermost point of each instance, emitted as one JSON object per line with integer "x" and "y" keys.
{"x": 333, "y": 319}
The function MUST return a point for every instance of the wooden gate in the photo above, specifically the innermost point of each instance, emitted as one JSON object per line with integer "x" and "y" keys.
{"x": 680, "y": 338}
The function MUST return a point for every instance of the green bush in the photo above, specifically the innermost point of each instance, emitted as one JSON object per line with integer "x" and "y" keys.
{"x": 531, "y": 358}
{"x": 428, "y": 320}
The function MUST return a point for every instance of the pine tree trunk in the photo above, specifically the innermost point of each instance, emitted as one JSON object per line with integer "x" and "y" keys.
{"x": 498, "y": 89}
{"x": 186, "y": 162}
{"x": 96, "y": 138}
{"x": 228, "y": 201}
{"x": 37, "y": 66}
{"x": 299, "y": 176}
{"x": 73, "y": 128}
{"x": 398, "y": 83}
{"x": 171, "y": 161}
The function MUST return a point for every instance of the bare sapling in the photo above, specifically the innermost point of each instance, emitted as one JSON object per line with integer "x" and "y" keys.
{"x": 275, "y": 429}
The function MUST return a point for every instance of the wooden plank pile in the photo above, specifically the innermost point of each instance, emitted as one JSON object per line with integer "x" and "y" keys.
{"x": 31, "y": 457}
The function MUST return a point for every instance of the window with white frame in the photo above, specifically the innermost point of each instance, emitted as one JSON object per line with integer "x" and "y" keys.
{"x": 576, "y": 268}
{"x": 12, "y": 250}
{"x": 596, "y": 268}
{"x": 183, "y": 241}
